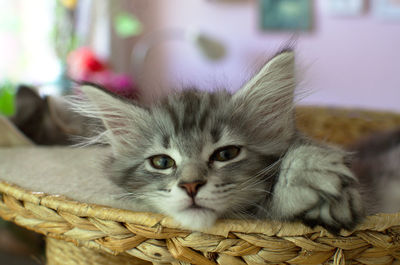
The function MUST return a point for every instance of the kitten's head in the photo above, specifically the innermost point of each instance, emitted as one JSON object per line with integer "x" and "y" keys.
{"x": 195, "y": 155}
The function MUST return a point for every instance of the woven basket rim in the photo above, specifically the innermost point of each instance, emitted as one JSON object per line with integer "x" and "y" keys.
{"x": 223, "y": 227}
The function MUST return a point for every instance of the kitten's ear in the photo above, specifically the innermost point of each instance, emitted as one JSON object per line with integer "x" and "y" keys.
{"x": 268, "y": 96}
{"x": 121, "y": 119}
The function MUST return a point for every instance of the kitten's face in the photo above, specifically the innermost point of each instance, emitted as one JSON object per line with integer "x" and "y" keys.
{"x": 197, "y": 156}
{"x": 198, "y": 160}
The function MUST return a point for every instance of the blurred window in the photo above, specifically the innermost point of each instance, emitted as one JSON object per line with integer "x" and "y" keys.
{"x": 27, "y": 53}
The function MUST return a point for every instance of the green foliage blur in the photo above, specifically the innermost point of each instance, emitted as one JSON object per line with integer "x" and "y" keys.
{"x": 7, "y": 98}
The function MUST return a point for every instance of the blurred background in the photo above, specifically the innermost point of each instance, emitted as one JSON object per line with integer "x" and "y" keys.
{"x": 347, "y": 54}
{"x": 347, "y": 50}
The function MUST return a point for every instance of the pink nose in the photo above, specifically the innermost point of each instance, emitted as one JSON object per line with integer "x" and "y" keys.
{"x": 192, "y": 188}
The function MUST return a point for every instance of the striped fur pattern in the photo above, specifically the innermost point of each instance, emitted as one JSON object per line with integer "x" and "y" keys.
{"x": 276, "y": 173}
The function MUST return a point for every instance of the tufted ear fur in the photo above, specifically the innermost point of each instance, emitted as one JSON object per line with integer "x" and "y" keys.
{"x": 122, "y": 119}
{"x": 268, "y": 97}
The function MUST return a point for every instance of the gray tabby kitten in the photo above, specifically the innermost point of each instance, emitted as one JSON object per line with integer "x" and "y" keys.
{"x": 198, "y": 156}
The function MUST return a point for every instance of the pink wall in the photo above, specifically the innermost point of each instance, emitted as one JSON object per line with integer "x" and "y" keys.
{"x": 352, "y": 61}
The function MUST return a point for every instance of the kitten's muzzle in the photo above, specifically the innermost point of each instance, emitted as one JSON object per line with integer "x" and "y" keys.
{"x": 192, "y": 188}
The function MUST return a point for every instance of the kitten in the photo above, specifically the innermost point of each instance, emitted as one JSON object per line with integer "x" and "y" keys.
{"x": 198, "y": 156}
{"x": 377, "y": 164}
{"x": 48, "y": 120}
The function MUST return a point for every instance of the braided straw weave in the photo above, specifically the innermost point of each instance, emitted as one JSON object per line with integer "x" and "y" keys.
{"x": 79, "y": 233}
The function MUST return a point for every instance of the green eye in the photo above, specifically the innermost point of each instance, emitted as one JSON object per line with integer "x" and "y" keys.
{"x": 161, "y": 162}
{"x": 225, "y": 153}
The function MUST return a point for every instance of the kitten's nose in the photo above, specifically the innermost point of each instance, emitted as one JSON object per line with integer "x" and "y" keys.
{"x": 192, "y": 188}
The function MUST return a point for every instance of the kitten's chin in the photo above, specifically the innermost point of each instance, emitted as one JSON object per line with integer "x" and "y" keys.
{"x": 196, "y": 219}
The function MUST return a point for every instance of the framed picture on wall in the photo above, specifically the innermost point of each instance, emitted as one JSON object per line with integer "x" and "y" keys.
{"x": 286, "y": 15}
{"x": 343, "y": 7}
{"x": 386, "y": 9}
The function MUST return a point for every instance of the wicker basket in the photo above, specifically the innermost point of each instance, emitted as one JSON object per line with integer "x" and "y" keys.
{"x": 79, "y": 233}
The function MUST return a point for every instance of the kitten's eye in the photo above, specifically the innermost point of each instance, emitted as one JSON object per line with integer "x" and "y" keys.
{"x": 161, "y": 162}
{"x": 225, "y": 153}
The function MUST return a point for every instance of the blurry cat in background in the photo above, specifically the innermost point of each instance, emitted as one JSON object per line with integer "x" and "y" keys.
{"x": 377, "y": 164}
{"x": 198, "y": 156}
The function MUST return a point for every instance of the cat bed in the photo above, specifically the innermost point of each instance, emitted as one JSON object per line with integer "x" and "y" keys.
{"x": 59, "y": 192}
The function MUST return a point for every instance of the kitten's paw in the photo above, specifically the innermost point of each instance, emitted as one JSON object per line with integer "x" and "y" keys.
{"x": 316, "y": 187}
{"x": 335, "y": 213}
